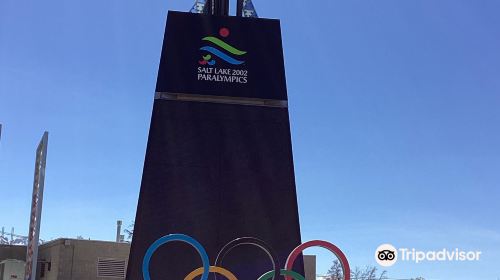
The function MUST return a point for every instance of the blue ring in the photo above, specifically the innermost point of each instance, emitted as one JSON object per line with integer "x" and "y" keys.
{"x": 170, "y": 238}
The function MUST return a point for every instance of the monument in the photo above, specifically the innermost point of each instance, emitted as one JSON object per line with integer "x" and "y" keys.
{"x": 218, "y": 172}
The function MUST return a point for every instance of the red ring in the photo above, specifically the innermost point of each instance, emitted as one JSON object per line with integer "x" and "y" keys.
{"x": 319, "y": 243}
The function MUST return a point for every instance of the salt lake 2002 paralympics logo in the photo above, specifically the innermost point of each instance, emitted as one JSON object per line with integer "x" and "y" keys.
{"x": 227, "y": 56}
{"x": 206, "y": 269}
{"x": 217, "y": 50}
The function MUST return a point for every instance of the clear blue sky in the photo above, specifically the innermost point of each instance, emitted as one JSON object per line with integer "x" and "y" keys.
{"x": 394, "y": 110}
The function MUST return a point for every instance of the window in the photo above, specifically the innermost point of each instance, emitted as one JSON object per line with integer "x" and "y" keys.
{"x": 42, "y": 269}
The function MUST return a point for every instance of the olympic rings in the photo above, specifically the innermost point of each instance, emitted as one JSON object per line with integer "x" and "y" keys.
{"x": 319, "y": 243}
{"x": 205, "y": 270}
{"x": 249, "y": 241}
{"x": 283, "y": 272}
{"x": 176, "y": 237}
{"x": 222, "y": 271}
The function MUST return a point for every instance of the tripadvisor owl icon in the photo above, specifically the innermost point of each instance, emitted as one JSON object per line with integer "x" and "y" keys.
{"x": 386, "y": 255}
{"x": 219, "y": 60}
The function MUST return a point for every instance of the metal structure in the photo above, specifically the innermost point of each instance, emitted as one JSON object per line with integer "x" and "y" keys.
{"x": 245, "y": 8}
{"x": 119, "y": 236}
{"x": 15, "y": 239}
{"x": 36, "y": 208}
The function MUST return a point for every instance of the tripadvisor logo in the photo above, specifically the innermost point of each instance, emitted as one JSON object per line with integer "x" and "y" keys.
{"x": 387, "y": 255}
{"x": 217, "y": 50}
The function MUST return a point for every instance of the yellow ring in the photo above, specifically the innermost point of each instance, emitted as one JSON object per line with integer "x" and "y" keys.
{"x": 222, "y": 271}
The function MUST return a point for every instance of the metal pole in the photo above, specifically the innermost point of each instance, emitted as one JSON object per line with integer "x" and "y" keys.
{"x": 211, "y": 7}
{"x": 118, "y": 230}
{"x": 219, "y": 7}
{"x": 225, "y": 7}
{"x": 36, "y": 209}
{"x": 239, "y": 8}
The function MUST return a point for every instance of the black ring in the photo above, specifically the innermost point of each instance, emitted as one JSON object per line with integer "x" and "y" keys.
{"x": 249, "y": 241}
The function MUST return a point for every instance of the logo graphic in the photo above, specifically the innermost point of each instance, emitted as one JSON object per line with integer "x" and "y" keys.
{"x": 386, "y": 255}
{"x": 206, "y": 268}
{"x": 221, "y": 50}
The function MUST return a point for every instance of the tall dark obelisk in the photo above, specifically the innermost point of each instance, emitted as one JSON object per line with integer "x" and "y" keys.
{"x": 219, "y": 160}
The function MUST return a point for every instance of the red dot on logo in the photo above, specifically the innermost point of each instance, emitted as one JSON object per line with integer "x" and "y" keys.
{"x": 224, "y": 32}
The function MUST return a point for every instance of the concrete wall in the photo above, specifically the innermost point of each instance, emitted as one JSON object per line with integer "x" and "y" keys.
{"x": 12, "y": 252}
{"x": 87, "y": 254}
{"x": 49, "y": 253}
{"x": 73, "y": 259}
{"x": 12, "y": 269}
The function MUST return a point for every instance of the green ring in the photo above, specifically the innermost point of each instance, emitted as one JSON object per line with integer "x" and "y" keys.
{"x": 283, "y": 272}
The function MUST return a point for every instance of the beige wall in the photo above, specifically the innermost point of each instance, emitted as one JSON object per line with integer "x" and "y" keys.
{"x": 49, "y": 253}
{"x": 73, "y": 259}
{"x": 88, "y": 252}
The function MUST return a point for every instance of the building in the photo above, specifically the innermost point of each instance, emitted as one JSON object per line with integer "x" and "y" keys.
{"x": 75, "y": 259}
{"x": 12, "y": 269}
{"x": 78, "y": 259}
